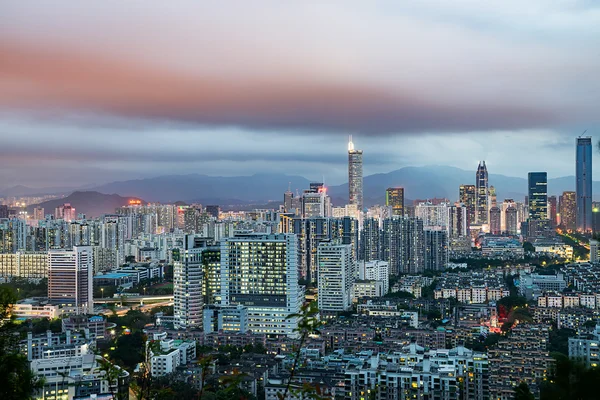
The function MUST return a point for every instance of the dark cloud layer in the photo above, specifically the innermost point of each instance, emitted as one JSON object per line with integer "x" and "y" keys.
{"x": 148, "y": 89}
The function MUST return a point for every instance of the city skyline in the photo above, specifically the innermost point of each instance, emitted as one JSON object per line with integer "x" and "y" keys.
{"x": 97, "y": 104}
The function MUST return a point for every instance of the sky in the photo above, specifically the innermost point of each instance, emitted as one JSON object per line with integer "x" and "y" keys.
{"x": 94, "y": 92}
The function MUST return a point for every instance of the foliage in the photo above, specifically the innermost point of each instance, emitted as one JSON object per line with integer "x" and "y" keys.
{"x": 427, "y": 291}
{"x": 24, "y": 288}
{"x": 129, "y": 350}
{"x": 134, "y": 319}
{"x": 16, "y": 379}
{"x": 522, "y": 392}
{"x": 400, "y": 295}
{"x": 559, "y": 340}
{"x": 571, "y": 380}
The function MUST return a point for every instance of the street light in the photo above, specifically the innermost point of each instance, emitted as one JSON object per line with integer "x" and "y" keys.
{"x": 102, "y": 290}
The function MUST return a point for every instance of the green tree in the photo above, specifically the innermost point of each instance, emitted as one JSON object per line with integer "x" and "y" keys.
{"x": 17, "y": 381}
{"x": 522, "y": 392}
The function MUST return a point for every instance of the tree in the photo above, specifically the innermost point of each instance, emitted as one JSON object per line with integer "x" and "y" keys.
{"x": 522, "y": 392}
{"x": 17, "y": 381}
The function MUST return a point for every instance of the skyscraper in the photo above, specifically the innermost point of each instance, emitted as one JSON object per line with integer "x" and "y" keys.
{"x": 370, "y": 240}
{"x": 403, "y": 245}
{"x": 538, "y": 196}
{"x": 188, "y": 283}
{"x": 288, "y": 201}
{"x": 436, "y": 250}
{"x": 481, "y": 185}
{"x": 583, "y": 186}
{"x": 355, "y": 176}
{"x": 511, "y": 220}
{"x": 457, "y": 221}
{"x": 336, "y": 276}
{"x": 261, "y": 272}
{"x": 394, "y": 198}
{"x": 70, "y": 278}
{"x": 467, "y": 196}
{"x": 495, "y": 220}
{"x": 567, "y": 210}
{"x": 552, "y": 210}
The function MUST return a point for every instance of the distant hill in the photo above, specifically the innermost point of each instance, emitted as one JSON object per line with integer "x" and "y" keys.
{"x": 21, "y": 190}
{"x": 208, "y": 189}
{"x": 243, "y": 191}
{"x": 92, "y": 204}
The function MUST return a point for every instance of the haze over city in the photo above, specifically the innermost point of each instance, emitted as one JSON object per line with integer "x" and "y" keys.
{"x": 103, "y": 92}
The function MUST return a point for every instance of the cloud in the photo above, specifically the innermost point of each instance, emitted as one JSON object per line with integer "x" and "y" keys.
{"x": 382, "y": 69}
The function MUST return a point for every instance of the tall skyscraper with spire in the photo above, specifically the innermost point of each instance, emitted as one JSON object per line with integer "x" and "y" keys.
{"x": 481, "y": 195}
{"x": 583, "y": 186}
{"x": 355, "y": 176}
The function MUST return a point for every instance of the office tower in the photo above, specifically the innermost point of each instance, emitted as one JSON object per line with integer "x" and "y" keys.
{"x": 213, "y": 211}
{"x": 355, "y": 176}
{"x": 568, "y": 210}
{"x": 495, "y": 223}
{"x": 403, "y": 245}
{"x": 436, "y": 250}
{"x": 211, "y": 269}
{"x": 583, "y": 187}
{"x": 457, "y": 221}
{"x": 595, "y": 217}
{"x": 505, "y": 205}
{"x": 492, "y": 197}
{"x": 188, "y": 283}
{"x": 316, "y": 202}
{"x": 3, "y": 211}
{"x": 336, "y": 276}
{"x": 433, "y": 216}
{"x": 38, "y": 213}
{"x": 467, "y": 196}
{"x": 538, "y": 223}
{"x": 288, "y": 201}
{"x": 538, "y": 196}
{"x": 552, "y": 210}
{"x": 190, "y": 220}
{"x": 512, "y": 222}
{"x": 65, "y": 212}
{"x": 481, "y": 199}
{"x": 70, "y": 278}
{"x": 394, "y": 198}
{"x": 369, "y": 239}
{"x": 261, "y": 272}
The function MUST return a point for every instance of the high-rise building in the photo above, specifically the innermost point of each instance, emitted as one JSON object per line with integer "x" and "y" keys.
{"x": 355, "y": 176}
{"x": 512, "y": 222}
{"x": 436, "y": 250}
{"x": 70, "y": 276}
{"x": 336, "y": 276}
{"x": 583, "y": 186}
{"x": 38, "y": 213}
{"x": 370, "y": 240}
{"x": 495, "y": 220}
{"x": 457, "y": 221}
{"x": 394, "y": 198}
{"x": 213, "y": 211}
{"x": 538, "y": 223}
{"x": 3, "y": 211}
{"x": 567, "y": 210}
{"x": 288, "y": 201}
{"x": 188, "y": 283}
{"x": 538, "y": 196}
{"x": 261, "y": 272}
{"x": 467, "y": 196}
{"x": 65, "y": 212}
{"x": 316, "y": 202}
{"x": 433, "y": 216}
{"x": 492, "y": 199}
{"x": 481, "y": 199}
{"x": 552, "y": 210}
{"x": 505, "y": 205}
{"x": 403, "y": 245}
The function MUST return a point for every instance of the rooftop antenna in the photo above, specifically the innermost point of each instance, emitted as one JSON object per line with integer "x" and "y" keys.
{"x": 350, "y": 144}
{"x": 583, "y": 133}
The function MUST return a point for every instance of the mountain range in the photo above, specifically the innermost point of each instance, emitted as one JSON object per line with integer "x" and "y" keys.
{"x": 90, "y": 203}
{"x": 419, "y": 183}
